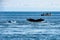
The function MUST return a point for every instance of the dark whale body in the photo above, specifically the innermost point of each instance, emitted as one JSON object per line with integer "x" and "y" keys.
{"x": 9, "y": 22}
{"x": 37, "y": 20}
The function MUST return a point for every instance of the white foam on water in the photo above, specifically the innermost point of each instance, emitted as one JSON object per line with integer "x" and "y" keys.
{"x": 35, "y": 31}
{"x": 21, "y": 26}
{"x": 44, "y": 31}
{"x": 27, "y": 29}
{"x": 1, "y": 26}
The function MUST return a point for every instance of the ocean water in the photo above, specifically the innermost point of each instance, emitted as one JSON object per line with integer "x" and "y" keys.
{"x": 25, "y": 30}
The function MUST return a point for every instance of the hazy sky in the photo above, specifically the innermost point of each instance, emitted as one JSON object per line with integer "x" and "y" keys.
{"x": 30, "y": 5}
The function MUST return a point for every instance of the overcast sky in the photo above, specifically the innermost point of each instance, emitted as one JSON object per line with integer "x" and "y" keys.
{"x": 30, "y": 5}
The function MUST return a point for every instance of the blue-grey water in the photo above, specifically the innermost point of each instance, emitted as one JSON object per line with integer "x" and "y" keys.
{"x": 25, "y": 30}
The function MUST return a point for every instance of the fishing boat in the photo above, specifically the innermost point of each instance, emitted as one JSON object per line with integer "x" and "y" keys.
{"x": 46, "y": 14}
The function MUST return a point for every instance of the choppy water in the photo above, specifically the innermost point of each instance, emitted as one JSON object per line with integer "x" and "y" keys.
{"x": 24, "y": 30}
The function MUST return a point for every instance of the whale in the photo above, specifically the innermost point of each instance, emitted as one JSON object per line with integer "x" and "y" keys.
{"x": 35, "y": 20}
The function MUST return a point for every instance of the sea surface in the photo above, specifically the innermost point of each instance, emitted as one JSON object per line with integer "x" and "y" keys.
{"x": 21, "y": 29}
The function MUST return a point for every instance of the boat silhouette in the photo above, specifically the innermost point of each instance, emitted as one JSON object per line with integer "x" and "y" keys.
{"x": 35, "y": 20}
{"x": 46, "y": 14}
